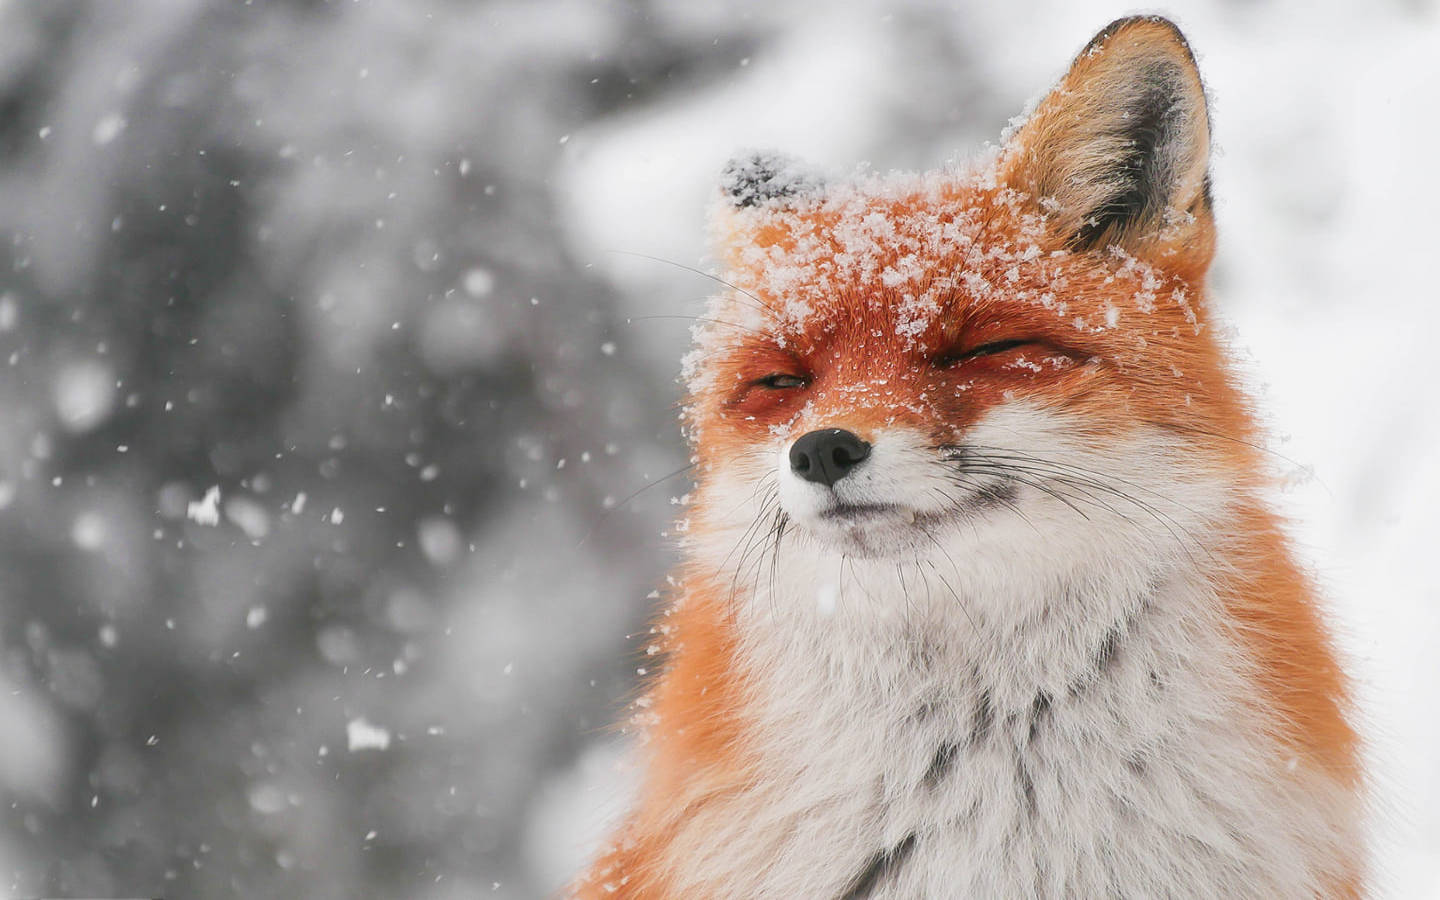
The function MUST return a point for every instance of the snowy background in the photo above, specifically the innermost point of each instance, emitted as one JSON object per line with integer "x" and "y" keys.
{"x": 330, "y": 365}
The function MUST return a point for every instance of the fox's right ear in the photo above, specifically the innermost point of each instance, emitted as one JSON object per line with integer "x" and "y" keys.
{"x": 1119, "y": 152}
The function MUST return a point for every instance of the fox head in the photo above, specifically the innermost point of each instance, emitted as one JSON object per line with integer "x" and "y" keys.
{"x": 1011, "y": 361}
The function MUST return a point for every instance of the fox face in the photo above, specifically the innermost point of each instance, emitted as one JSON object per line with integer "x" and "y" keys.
{"x": 906, "y": 360}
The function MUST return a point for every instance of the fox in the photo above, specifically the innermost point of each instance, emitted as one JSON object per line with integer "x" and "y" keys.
{"x": 983, "y": 593}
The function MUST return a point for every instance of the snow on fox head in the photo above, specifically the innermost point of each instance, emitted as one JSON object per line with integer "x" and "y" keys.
{"x": 1010, "y": 359}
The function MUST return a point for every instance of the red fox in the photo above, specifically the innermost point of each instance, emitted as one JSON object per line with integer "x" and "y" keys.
{"x": 982, "y": 596}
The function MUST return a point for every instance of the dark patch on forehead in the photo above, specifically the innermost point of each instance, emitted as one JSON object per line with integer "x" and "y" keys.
{"x": 765, "y": 176}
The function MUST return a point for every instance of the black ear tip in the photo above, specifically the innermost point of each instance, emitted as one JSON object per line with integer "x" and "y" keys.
{"x": 1148, "y": 23}
{"x": 763, "y": 176}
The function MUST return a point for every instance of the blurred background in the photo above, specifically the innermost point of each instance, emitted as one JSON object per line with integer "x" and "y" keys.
{"x": 332, "y": 367}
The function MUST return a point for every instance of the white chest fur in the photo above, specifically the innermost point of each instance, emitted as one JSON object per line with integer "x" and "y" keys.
{"x": 1092, "y": 737}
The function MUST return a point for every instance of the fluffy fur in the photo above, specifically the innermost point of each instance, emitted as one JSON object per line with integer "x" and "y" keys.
{"x": 1046, "y": 640}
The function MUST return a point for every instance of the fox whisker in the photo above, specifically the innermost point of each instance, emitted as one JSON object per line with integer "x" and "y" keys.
{"x": 1077, "y": 477}
{"x": 761, "y": 304}
{"x": 1070, "y": 485}
{"x": 705, "y": 319}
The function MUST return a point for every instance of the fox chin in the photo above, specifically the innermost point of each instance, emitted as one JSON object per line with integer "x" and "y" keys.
{"x": 982, "y": 594}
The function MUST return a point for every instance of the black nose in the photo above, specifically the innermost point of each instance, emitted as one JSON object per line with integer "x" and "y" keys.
{"x": 827, "y": 456}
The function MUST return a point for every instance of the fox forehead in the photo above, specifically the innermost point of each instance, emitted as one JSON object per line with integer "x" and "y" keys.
{"x": 906, "y": 264}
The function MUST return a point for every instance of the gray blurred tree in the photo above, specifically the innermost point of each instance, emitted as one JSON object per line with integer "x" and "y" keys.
{"x": 304, "y": 252}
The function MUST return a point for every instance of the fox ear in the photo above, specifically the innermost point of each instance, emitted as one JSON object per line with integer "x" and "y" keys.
{"x": 761, "y": 178}
{"x": 1119, "y": 152}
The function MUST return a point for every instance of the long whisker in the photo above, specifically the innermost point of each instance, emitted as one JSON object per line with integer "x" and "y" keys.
{"x": 1008, "y": 503}
{"x": 948, "y": 558}
{"x": 1054, "y": 478}
{"x": 764, "y": 545}
{"x": 605, "y": 517}
{"x": 763, "y": 484}
{"x": 782, "y": 522}
{"x": 980, "y": 236}
{"x": 1011, "y": 472}
{"x": 1055, "y": 468}
{"x": 855, "y": 578}
{"x": 758, "y": 539}
{"x": 715, "y": 278}
{"x": 1066, "y": 473}
{"x": 705, "y": 319}
{"x": 904, "y": 589}
{"x": 1251, "y": 444}
{"x": 1000, "y": 453}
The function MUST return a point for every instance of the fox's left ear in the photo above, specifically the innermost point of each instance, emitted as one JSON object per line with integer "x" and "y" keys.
{"x": 765, "y": 177}
{"x": 752, "y": 187}
{"x": 1119, "y": 152}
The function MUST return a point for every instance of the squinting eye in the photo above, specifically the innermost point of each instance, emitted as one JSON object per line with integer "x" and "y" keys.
{"x": 780, "y": 381}
{"x": 949, "y": 359}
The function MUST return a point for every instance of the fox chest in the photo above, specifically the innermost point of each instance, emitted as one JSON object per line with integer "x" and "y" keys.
{"x": 976, "y": 796}
{"x": 1127, "y": 769}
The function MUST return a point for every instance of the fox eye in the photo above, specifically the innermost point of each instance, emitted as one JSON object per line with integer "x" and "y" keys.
{"x": 945, "y": 360}
{"x": 780, "y": 381}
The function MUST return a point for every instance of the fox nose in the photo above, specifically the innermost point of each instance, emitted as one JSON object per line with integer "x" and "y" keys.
{"x": 828, "y": 455}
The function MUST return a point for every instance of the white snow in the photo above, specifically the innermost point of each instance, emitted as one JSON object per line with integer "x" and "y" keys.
{"x": 361, "y": 735}
{"x": 267, "y": 798}
{"x": 206, "y": 510}
{"x": 84, "y": 394}
{"x": 107, "y": 128}
{"x": 440, "y": 540}
{"x": 459, "y": 332}
{"x": 88, "y": 530}
{"x": 479, "y": 282}
{"x": 32, "y": 758}
{"x": 249, "y": 515}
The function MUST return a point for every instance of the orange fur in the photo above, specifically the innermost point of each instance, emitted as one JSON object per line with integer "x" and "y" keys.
{"x": 700, "y": 701}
